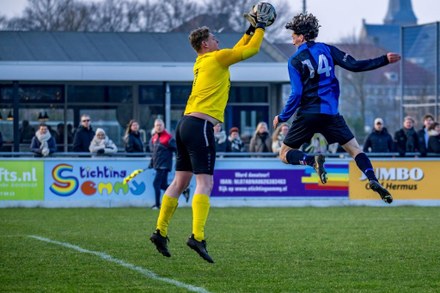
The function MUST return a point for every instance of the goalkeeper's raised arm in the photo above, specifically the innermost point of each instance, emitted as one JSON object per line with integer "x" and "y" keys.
{"x": 249, "y": 45}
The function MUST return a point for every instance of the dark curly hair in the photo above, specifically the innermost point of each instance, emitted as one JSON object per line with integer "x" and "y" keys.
{"x": 197, "y": 36}
{"x": 304, "y": 24}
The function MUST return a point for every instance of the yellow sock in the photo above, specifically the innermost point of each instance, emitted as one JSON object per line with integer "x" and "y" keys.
{"x": 200, "y": 209}
{"x": 167, "y": 209}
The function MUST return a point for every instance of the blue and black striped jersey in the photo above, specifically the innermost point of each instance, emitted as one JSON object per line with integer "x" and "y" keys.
{"x": 314, "y": 86}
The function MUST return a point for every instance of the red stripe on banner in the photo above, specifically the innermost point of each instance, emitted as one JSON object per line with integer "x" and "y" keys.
{"x": 323, "y": 187}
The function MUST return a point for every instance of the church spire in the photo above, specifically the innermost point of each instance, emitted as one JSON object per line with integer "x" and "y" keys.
{"x": 400, "y": 12}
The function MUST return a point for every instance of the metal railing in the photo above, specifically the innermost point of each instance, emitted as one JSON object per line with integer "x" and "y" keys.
{"x": 219, "y": 155}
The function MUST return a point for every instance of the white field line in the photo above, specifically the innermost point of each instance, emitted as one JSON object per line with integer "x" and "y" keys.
{"x": 141, "y": 270}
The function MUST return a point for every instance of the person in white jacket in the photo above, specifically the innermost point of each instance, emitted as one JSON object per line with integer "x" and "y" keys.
{"x": 101, "y": 144}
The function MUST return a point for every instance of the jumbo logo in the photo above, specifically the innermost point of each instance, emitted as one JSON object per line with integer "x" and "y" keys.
{"x": 397, "y": 174}
{"x": 90, "y": 181}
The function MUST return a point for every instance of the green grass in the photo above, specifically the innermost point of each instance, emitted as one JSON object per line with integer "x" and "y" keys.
{"x": 338, "y": 249}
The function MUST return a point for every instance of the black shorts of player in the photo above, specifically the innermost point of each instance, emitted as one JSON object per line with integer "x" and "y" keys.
{"x": 195, "y": 145}
{"x": 304, "y": 126}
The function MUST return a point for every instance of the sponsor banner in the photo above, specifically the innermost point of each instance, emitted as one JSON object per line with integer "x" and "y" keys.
{"x": 93, "y": 179}
{"x": 299, "y": 182}
{"x": 21, "y": 180}
{"x": 405, "y": 180}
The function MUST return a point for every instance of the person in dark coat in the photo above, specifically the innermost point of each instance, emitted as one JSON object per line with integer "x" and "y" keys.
{"x": 162, "y": 146}
{"x": 60, "y": 137}
{"x": 423, "y": 134}
{"x": 132, "y": 138}
{"x": 379, "y": 140}
{"x": 434, "y": 138}
{"x": 26, "y": 132}
{"x": 406, "y": 139}
{"x": 83, "y": 135}
{"x": 43, "y": 143}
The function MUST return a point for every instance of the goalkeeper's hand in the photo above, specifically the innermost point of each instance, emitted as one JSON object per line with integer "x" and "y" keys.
{"x": 251, "y": 17}
{"x": 263, "y": 10}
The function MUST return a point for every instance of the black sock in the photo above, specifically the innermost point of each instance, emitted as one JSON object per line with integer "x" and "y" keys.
{"x": 364, "y": 164}
{"x": 297, "y": 157}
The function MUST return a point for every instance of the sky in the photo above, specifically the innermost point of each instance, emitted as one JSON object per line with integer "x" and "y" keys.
{"x": 338, "y": 18}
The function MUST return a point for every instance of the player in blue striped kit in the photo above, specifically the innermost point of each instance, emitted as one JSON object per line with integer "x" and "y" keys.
{"x": 314, "y": 100}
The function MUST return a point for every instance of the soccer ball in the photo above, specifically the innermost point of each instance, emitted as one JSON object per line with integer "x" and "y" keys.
{"x": 272, "y": 12}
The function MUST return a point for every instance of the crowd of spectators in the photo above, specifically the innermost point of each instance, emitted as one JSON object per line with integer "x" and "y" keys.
{"x": 45, "y": 141}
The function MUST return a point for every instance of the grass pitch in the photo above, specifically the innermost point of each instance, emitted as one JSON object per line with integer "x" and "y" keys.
{"x": 337, "y": 249}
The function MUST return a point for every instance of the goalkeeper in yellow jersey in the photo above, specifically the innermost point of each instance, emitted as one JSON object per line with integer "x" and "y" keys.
{"x": 194, "y": 133}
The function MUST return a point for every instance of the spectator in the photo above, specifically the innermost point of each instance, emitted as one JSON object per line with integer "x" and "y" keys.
{"x": 278, "y": 137}
{"x": 43, "y": 143}
{"x": 101, "y": 144}
{"x": 220, "y": 138}
{"x": 423, "y": 135}
{"x": 434, "y": 138}
{"x": 234, "y": 144}
{"x": 132, "y": 138}
{"x": 406, "y": 139}
{"x": 162, "y": 146}
{"x": 379, "y": 140}
{"x": 261, "y": 141}
{"x": 26, "y": 132}
{"x": 83, "y": 135}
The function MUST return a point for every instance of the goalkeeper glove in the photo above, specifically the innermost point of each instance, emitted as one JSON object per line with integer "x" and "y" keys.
{"x": 251, "y": 17}
{"x": 263, "y": 10}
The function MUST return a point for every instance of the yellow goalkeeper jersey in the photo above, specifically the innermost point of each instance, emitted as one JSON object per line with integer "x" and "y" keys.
{"x": 210, "y": 89}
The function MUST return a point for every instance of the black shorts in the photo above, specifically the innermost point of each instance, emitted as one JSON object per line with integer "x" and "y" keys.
{"x": 195, "y": 145}
{"x": 304, "y": 126}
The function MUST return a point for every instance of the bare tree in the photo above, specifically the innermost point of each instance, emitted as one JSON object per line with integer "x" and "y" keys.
{"x": 235, "y": 9}
{"x": 151, "y": 18}
{"x": 3, "y": 21}
{"x": 231, "y": 8}
{"x": 51, "y": 15}
{"x": 115, "y": 15}
{"x": 175, "y": 12}
{"x": 142, "y": 15}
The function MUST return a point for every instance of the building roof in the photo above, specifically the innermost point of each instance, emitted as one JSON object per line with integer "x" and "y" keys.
{"x": 386, "y": 36}
{"x": 286, "y": 49}
{"x": 109, "y": 47}
{"x": 121, "y": 56}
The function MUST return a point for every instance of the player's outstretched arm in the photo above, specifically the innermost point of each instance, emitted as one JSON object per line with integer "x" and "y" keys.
{"x": 227, "y": 57}
{"x": 346, "y": 61}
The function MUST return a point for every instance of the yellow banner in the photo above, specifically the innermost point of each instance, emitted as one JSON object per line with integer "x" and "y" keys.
{"x": 409, "y": 180}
